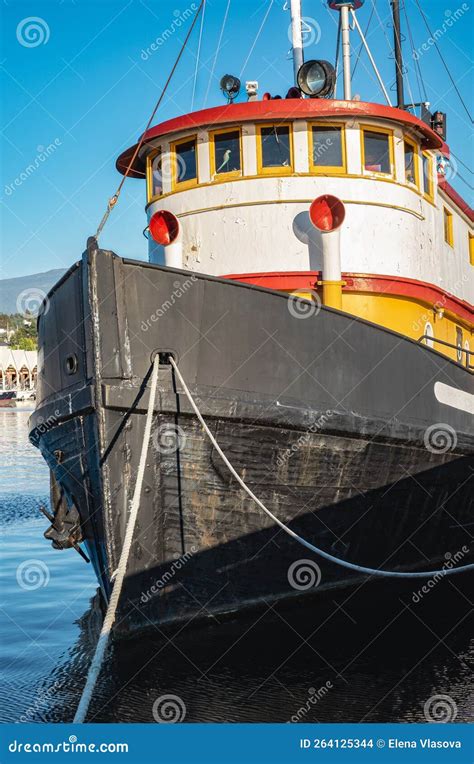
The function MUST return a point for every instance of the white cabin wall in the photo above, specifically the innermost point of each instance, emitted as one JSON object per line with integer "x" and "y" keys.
{"x": 261, "y": 223}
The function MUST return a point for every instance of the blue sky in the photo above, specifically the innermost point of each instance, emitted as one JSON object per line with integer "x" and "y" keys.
{"x": 86, "y": 91}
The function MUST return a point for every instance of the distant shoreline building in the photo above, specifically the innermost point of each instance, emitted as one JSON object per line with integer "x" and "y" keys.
{"x": 18, "y": 369}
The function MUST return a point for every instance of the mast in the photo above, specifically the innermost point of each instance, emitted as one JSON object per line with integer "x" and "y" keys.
{"x": 346, "y": 51}
{"x": 296, "y": 37}
{"x": 397, "y": 42}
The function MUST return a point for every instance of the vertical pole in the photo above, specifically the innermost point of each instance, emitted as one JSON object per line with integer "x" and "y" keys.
{"x": 346, "y": 52}
{"x": 397, "y": 42}
{"x": 296, "y": 37}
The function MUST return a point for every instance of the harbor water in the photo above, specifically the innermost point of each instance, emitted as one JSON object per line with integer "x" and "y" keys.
{"x": 377, "y": 652}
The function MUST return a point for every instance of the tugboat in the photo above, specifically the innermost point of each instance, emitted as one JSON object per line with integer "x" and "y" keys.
{"x": 310, "y": 278}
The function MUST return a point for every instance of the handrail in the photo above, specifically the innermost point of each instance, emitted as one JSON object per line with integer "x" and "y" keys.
{"x": 451, "y": 345}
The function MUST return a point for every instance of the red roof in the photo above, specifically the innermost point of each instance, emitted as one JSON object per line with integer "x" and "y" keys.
{"x": 281, "y": 109}
{"x": 455, "y": 197}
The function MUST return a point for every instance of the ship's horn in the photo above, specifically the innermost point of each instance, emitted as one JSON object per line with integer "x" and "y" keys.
{"x": 327, "y": 214}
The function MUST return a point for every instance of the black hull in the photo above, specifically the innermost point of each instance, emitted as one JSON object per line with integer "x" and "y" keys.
{"x": 327, "y": 418}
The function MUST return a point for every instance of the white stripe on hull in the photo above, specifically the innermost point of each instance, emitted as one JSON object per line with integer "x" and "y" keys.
{"x": 452, "y": 396}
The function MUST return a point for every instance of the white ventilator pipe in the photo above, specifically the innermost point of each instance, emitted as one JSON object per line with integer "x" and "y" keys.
{"x": 296, "y": 37}
{"x": 174, "y": 253}
{"x": 327, "y": 214}
{"x": 331, "y": 242}
{"x": 346, "y": 52}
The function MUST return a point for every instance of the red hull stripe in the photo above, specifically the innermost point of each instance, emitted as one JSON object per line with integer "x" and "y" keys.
{"x": 361, "y": 282}
{"x": 286, "y": 108}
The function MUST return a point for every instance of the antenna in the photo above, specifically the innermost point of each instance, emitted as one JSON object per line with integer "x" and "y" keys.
{"x": 296, "y": 37}
{"x": 397, "y": 42}
{"x": 344, "y": 6}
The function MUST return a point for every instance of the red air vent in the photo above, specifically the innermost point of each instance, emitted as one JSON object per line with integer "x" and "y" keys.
{"x": 327, "y": 213}
{"x": 164, "y": 227}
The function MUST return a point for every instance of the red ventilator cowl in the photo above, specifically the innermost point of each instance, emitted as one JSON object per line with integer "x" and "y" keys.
{"x": 164, "y": 227}
{"x": 327, "y": 213}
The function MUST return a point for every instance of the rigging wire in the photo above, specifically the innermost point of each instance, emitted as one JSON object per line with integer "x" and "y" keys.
{"x": 435, "y": 43}
{"x": 362, "y": 44}
{"x": 256, "y": 38}
{"x": 217, "y": 51}
{"x": 113, "y": 200}
{"x": 418, "y": 72}
{"x": 198, "y": 54}
{"x": 461, "y": 162}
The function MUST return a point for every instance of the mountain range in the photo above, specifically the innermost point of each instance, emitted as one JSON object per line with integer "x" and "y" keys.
{"x": 12, "y": 288}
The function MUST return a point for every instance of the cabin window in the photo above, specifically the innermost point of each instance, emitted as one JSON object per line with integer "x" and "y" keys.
{"x": 274, "y": 149}
{"x": 427, "y": 176}
{"x": 448, "y": 227}
{"x": 471, "y": 248}
{"x": 327, "y": 149}
{"x": 226, "y": 153}
{"x": 411, "y": 163}
{"x": 155, "y": 178}
{"x": 185, "y": 163}
{"x": 377, "y": 151}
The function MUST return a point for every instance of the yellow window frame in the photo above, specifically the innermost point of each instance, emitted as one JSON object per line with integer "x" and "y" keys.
{"x": 327, "y": 169}
{"x": 221, "y": 177}
{"x": 471, "y": 248}
{"x": 382, "y": 131}
{"x": 428, "y": 194}
{"x": 448, "y": 227}
{"x": 281, "y": 169}
{"x": 182, "y": 185}
{"x": 416, "y": 160}
{"x": 149, "y": 174}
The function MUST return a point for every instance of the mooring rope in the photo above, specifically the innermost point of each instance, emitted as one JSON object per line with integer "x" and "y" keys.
{"x": 119, "y": 574}
{"x": 293, "y": 534}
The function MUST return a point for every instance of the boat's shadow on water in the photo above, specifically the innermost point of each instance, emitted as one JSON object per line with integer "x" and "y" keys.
{"x": 381, "y": 652}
